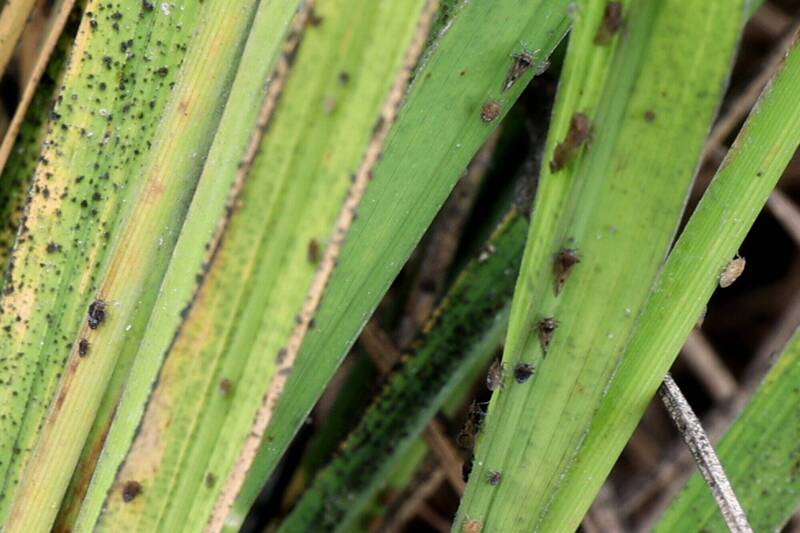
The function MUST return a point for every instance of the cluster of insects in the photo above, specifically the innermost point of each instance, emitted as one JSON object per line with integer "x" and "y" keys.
{"x": 580, "y": 128}
{"x": 564, "y": 261}
{"x": 579, "y": 133}
{"x": 94, "y": 318}
{"x": 522, "y": 63}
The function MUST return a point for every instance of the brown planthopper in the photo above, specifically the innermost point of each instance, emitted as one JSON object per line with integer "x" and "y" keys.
{"x": 522, "y": 64}
{"x": 562, "y": 266}
{"x": 496, "y": 376}
{"x": 611, "y": 23}
{"x": 546, "y": 327}
{"x": 580, "y": 130}
{"x": 472, "y": 426}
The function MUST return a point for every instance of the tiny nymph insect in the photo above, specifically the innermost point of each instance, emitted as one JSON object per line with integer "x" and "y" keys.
{"x": 546, "y": 327}
{"x": 496, "y": 375}
{"x": 490, "y": 111}
{"x": 732, "y": 272}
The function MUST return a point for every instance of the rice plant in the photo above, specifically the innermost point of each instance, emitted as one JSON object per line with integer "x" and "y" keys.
{"x": 376, "y": 265}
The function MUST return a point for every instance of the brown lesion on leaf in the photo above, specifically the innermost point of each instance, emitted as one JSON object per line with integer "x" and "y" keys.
{"x": 153, "y": 189}
{"x": 183, "y": 105}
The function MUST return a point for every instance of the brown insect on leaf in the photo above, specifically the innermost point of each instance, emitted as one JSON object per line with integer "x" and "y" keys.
{"x": 472, "y": 426}
{"x": 732, "y": 272}
{"x": 130, "y": 490}
{"x": 472, "y": 526}
{"x": 97, "y": 314}
{"x": 522, "y": 64}
{"x": 494, "y": 477}
{"x": 490, "y": 111}
{"x": 546, "y": 328}
{"x": 83, "y": 347}
{"x": 566, "y": 258}
{"x": 313, "y": 251}
{"x": 477, "y": 415}
{"x": 314, "y": 19}
{"x": 523, "y": 372}
{"x": 611, "y": 23}
{"x": 496, "y": 376}
{"x": 580, "y": 130}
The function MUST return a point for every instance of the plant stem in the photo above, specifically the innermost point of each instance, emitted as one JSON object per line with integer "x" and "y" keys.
{"x": 704, "y": 455}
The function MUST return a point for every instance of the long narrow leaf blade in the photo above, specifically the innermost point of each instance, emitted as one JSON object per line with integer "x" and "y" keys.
{"x": 467, "y": 327}
{"x": 200, "y": 412}
{"x": 616, "y": 209}
{"x": 437, "y": 132}
{"x": 220, "y": 181}
{"x": 710, "y": 240}
{"x": 100, "y": 172}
